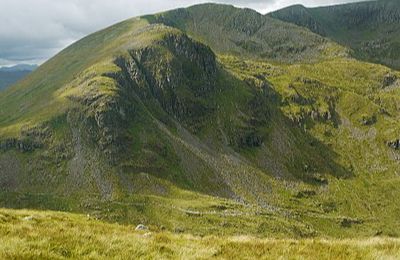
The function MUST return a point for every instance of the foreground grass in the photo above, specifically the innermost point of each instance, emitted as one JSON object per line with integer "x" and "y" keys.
{"x": 53, "y": 235}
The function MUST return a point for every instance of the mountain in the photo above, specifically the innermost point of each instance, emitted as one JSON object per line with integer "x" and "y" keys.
{"x": 244, "y": 32}
{"x": 370, "y": 28}
{"x": 10, "y": 75}
{"x": 207, "y": 120}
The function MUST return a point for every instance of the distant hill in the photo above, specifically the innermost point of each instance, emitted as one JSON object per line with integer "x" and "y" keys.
{"x": 10, "y": 75}
{"x": 19, "y": 67}
{"x": 371, "y": 29}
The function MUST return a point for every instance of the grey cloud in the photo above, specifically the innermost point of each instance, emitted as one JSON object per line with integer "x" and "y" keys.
{"x": 34, "y": 30}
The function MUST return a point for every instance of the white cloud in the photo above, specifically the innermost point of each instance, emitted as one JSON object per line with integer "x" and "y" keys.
{"x": 34, "y": 30}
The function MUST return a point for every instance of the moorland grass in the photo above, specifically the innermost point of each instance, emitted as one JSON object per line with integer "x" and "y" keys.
{"x": 54, "y": 235}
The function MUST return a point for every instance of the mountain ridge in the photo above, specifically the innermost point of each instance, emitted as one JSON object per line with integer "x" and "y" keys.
{"x": 368, "y": 28}
{"x": 249, "y": 33}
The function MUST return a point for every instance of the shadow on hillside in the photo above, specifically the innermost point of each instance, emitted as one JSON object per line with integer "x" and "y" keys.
{"x": 294, "y": 151}
{"x": 186, "y": 159}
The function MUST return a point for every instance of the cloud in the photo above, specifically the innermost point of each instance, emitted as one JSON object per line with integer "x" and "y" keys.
{"x": 33, "y": 30}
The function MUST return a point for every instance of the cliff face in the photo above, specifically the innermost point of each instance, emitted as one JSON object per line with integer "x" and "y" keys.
{"x": 177, "y": 72}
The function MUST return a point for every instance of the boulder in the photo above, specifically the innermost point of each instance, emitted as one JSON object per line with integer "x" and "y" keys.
{"x": 141, "y": 227}
{"x": 394, "y": 144}
{"x": 28, "y": 218}
{"x": 389, "y": 79}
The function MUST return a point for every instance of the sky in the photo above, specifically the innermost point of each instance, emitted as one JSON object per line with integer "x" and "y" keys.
{"x": 31, "y": 31}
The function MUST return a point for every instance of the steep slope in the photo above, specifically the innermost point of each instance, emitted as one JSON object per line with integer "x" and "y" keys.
{"x": 95, "y": 97}
{"x": 369, "y": 28}
{"x": 142, "y": 123}
{"x": 229, "y": 30}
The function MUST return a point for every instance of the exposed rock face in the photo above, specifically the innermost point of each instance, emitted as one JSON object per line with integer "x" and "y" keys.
{"x": 29, "y": 140}
{"x": 389, "y": 80}
{"x": 141, "y": 227}
{"x": 103, "y": 121}
{"x": 394, "y": 144}
{"x": 197, "y": 53}
{"x": 175, "y": 72}
{"x": 178, "y": 83}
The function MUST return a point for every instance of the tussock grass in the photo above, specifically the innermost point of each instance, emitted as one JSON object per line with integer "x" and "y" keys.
{"x": 53, "y": 235}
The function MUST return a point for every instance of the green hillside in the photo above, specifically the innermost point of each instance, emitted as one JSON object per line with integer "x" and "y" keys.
{"x": 256, "y": 127}
{"x": 369, "y": 28}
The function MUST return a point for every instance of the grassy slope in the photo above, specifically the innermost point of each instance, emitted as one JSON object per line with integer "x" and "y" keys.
{"x": 53, "y": 235}
{"x": 34, "y": 99}
{"x": 369, "y": 28}
{"x": 308, "y": 178}
{"x": 356, "y": 88}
